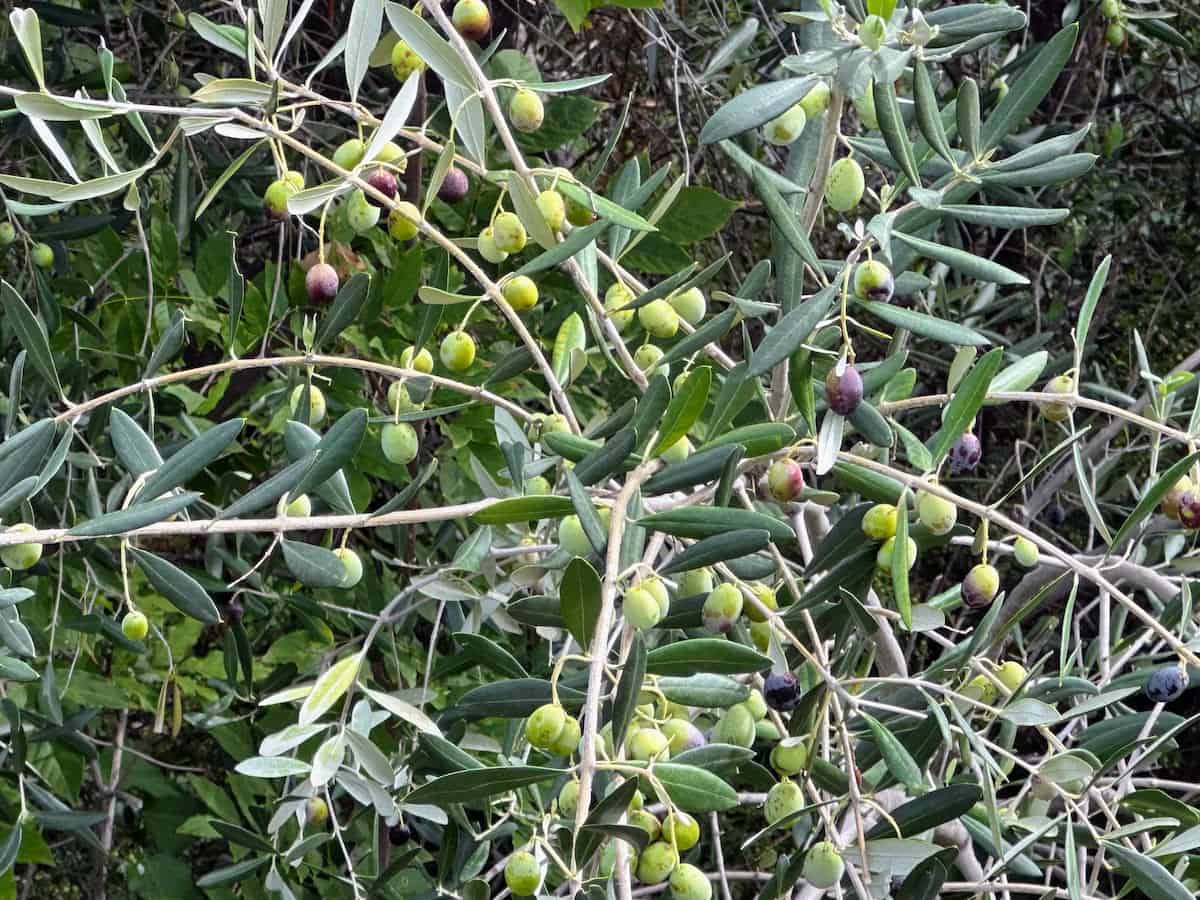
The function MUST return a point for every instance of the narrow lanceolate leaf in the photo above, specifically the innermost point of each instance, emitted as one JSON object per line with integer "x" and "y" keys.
{"x": 1005, "y": 216}
{"x": 629, "y": 689}
{"x": 135, "y": 450}
{"x": 895, "y": 135}
{"x": 1150, "y": 876}
{"x": 579, "y": 599}
{"x": 962, "y": 261}
{"x": 180, "y": 588}
{"x": 710, "y": 332}
{"x": 717, "y": 549}
{"x": 606, "y": 460}
{"x": 715, "y": 655}
{"x": 900, "y": 567}
{"x": 929, "y": 117}
{"x": 137, "y": 516}
{"x": 1150, "y": 500}
{"x": 1028, "y": 90}
{"x": 925, "y": 326}
{"x": 366, "y": 21}
{"x": 330, "y": 688}
{"x": 561, "y": 252}
{"x": 707, "y": 521}
{"x": 899, "y": 761}
{"x": 684, "y": 409}
{"x": 28, "y": 327}
{"x": 790, "y": 332}
{"x": 755, "y": 107}
{"x": 28, "y": 29}
{"x": 589, "y": 518}
{"x": 693, "y": 789}
{"x": 928, "y": 811}
{"x": 526, "y": 208}
{"x": 571, "y": 337}
{"x": 967, "y": 110}
{"x": 346, "y": 308}
{"x": 785, "y": 219}
{"x": 479, "y": 784}
{"x": 524, "y": 509}
{"x": 334, "y": 450}
{"x": 1088, "y": 309}
{"x": 271, "y": 767}
{"x": 967, "y": 400}
{"x": 191, "y": 458}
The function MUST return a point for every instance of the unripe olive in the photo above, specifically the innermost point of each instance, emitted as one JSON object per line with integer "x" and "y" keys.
{"x": 573, "y": 538}
{"x": 844, "y": 392}
{"x": 349, "y": 154}
{"x": 316, "y": 403}
{"x": 399, "y": 443}
{"x": 690, "y": 305}
{"x": 43, "y": 256}
{"x": 865, "y": 107}
{"x": 405, "y": 61}
{"x": 418, "y": 360}
{"x": 646, "y": 357}
{"x": 390, "y": 152}
{"x": 21, "y": 556}
{"x": 783, "y": 799}
{"x": 8, "y": 233}
{"x": 659, "y": 318}
{"x": 360, "y": 214}
{"x": 321, "y": 283}
{"x": 981, "y": 585}
{"x": 457, "y": 351}
{"x": 1011, "y": 674}
{"x": 936, "y": 514}
{"x": 658, "y": 591}
{"x": 454, "y": 186}
{"x": 785, "y": 480}
{"x": 579, "y": 214}
{"x": 567, "y": 741}
{"x": 553, "y": 209}
{"x": 645, "y": 744}
{"x": 736, "y": 726}
{"x": 816, "y": 101}
{"x": 522, "y": 874}
{"x": 760, "y": 633}
{"x": 790, "y": 756}
{"x": 616, "y": 297}
{"x": 677, "y": 452}
{"x": 872, "y": 32}
{"x": 384, "y": 182}
{"x": 682, "y": 830}
{"x": 639, "y": 818}
{"x": 682, "y": 735}
{"x": 402, "y": 221}
{"x": 352, "y": 564}
{"x": 537, "y": 485}
{"x": 135, "y": 625}
{"x": 786, "y": 127}
{"x": 555, "y": 423}
{"x": 781, "y": 691}
{"x": 1115, "y": 34}
{"x": 487, "y": 247}
{"x": 765, "y": 732}
{"x": 544, "y": 725}
{"x": 508, "y": 233}
{"x": 873, "y": 281}
{"x": 275, "y": 198}
{"x": 981, "y": 688}
{"x": 641, "y": 609}
{"x": 879, "y": 523}
{"x": 845, "y": 185}
{"x": 568, "y": 798}
{"x": 883, "y": 558}
{"x": 525, "y": 111}
{"x": 1110, "y": 9}
{"x": 521, "y": 293}
{"x": 766, "y": 596}
{"x": 1055, "y": 410}
{"x": 300, "y": 507}
{"x": 823, "y": 865}
{"x": 1170, "y": 500}
{"x": 966, "y": 453}
{"x": 1025, "y": 552}
{"x": 721, "y": 608}
{"x": 398, "y": 399}
{"x": 656, "y": 863}
{"x": 294, "y": 178}
{"x": 316, "y": 812}
{"x": 472, "y": 19}
{"x": 695, "y": 582}
{"x": 689, "y": 883}
{"x": 755, "y": 705}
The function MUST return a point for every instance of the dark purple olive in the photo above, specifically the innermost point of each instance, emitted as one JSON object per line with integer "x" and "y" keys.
{"x": 399, "y": 834}
{"x": 1189, "y": 510}
{"x": 844, "y": 392}
{"x": 781, "y": 691}
{"x": 454, "y": 186}
{"x": 234, "y": 610}
{"x": 321, "y": 282}
{"x": 966, "y": 453}
{"x": 1166, "y": 684}
{"x": 384, "y": 182}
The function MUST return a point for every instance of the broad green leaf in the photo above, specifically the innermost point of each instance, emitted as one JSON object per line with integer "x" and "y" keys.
{"x": 328, "y": 759}
{"x": 288, "y": 738}
{"x": 137, "y": 516}
{"x": 701, "y": 466}
{"x": 961, "y": 261}
{"x": 614, "y": 213}
{"x": 229, "y": 38}
{"x": 579, "y": 596}
{"x": 714, "y": 655}
{"x": 694, "y": 790}
{"x": 474, "y": 785}
{"x": 28, "y": 327}
{"x": 28, "y": 30}
{"x": 191, "y": 458}
{"x": 1027, "y": 91}
{"x": 965, "y": 404}
{"x": 695, "y": 214}
{"x": 967, "y": 109}
{"x": 684, "y": 409}
{"x": 755, "y": 107}
{"x": 333, "y": 683}
{"x": 183, "y": 591}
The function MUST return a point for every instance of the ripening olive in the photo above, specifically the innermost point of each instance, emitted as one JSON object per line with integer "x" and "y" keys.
{"x": 321, "y": 283}
{"x": 43, "y": 256}
{"x": 981, "y": 585}
{"x": 641, "y": 609}
{"x": 568, "y": 798}
{"x": 567, "y": 741}
{"x": 418, "y": 360}
{"x": 785, "y": 480}
{"x": 1055, "y": 410}
{"x": 615, "y": 298}
{"x": 1011, "y": 674}
{"x": 383, "y": 181}
{"x": 276, "y": 196}
{"x": 645, "y": 744}
{"x": 454, "y": 186}
{"x": 736, "y": 726}
{"x": 681, "y": 829}
{"x": 845, "y": 391}
{"x": 721, "y": 608}
{"x": 8, "y": 233}
{"x": 677, "y": 452}
{"x": 405, "y": 61}
{"x": 508, "y": 233}
{"x": 472, "y": 19}
{"x": 486, "y": 244}
{"x": 646, "y": 357}
{"x": 695, "y": 582}
{"x": 1170, "y": 500}
{"x": 781, "y": 691}
{"x": 767, "y": 597}
{"x": 966, "y": 453}
{"x": 648, "y": 822}
{"x": 403, "y": 221}
{"x": 689, "y": 883}
{"x": 361, "y": 216}
{"x": 1167, "y": 684}
{"x": 816, "y": 101}
{"x": 682, "y": 735}
{"x": 299, "y": 508}
{"x": 873, "y": 281}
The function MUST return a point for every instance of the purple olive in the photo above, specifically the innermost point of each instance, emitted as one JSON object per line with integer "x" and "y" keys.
{"x": 454, "y": 186}
{"x": 321, "y": 283}
{"x": 1189, "y": 510}
{"x": 1166, "y": 684}
{"x": 965, "y": 454}
{"x": 384, "y": 182}
{"x": 781, "y": 691}
{"x": 844, "y": 392}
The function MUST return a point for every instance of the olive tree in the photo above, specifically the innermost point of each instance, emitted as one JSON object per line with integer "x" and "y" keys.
{"x": 538, "y": 564}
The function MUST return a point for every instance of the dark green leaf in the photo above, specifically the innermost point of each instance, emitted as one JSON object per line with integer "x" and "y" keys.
{"x": 694, "y": 790}
{"x": 579, "y": 596}
{"x": 684, "y": 409}
{"x": 714, "y": 655}
{"x": 965, "y": 404}
{"x": 717, "y": 549}
{"x": 30, "y": 333}
{"x": 754, "y": 107}
{"x": 347, "y": 307}
{"x": 1154, "y": 880}
{"x": 708, "y": 521}
{"x": 710, "y": 332}
{"x": 891, "y": 125}
{"x": 312, "y": 565}
{"x": 790, "y": 332}
{"x": 135, "y": 517}
{"x": 473, "y": 785}
{"x": 180, "y": 588}
{"x": 134, "y": 447}
{"x": 961, "y": 261}
{"x": 191, "y": 458}
{"x": 929, "y": 811}
{"x": 490, "y": 654}
{"x": 524, "y": 509}
{"x": 1027, "y": 91}
{"x": 925, "y": 326}
{"x": 629, "y": 689}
